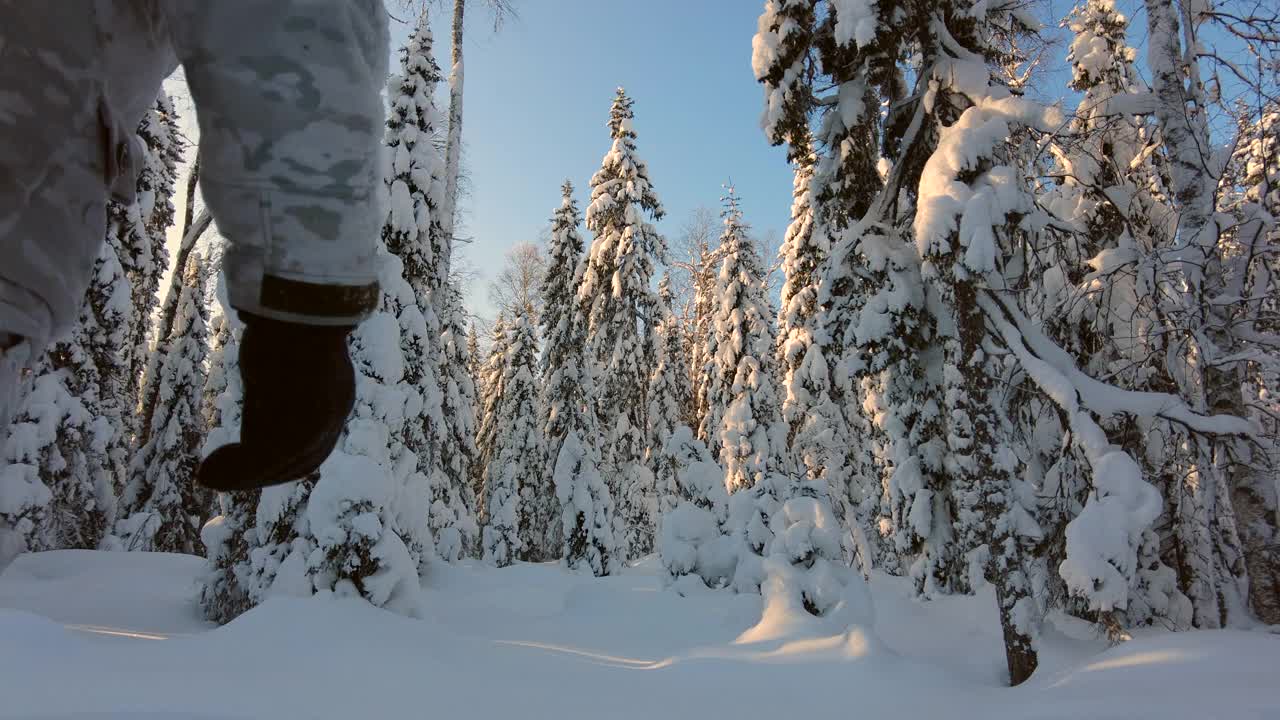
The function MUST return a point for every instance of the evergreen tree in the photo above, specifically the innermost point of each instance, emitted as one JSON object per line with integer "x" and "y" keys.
{"x": 53, "y": 434}
{"x": 141, "y": 228}
{"x": 696, "y": 540}
{"x": 619, "y": 300}
{"x": 492, "y": 375}
{"x": 516, "y": 485}
{"x": 161, "y": 507}
{"x": 74, "y": 428}
{"x": 84, "y": 492}
{"x": 586, "y": 507}
{"x": 816, "y": 423}
{"x": 459, "y": 453}
{"x": 803, "y": 254}
{"x": 582, "y": 532}
{"x": 562, "y": 364}
{"x": 415, "y": 232}
{"x": 85, "y": 455}
{"x": 871, "y": 296}
{"x": 704, "y": 305}
{"x": 107, "y": 320}
{"x": 426, "y": 507}
{"x": 47, "y": 412}
{"x": 415, "y": 185}
{"x": 742, "y": 425}
{"x": 474, "y": 358}
{"x": 229, "y": 536}
{"x": 669, "y": 394}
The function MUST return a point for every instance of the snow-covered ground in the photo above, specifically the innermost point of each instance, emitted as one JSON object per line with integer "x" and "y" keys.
{"x": 96, "y": 635}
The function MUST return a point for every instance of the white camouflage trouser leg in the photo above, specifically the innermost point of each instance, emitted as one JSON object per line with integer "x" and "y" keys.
{"x": 13, "y": 360}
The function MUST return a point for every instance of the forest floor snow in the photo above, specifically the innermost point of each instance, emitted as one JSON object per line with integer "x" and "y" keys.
{"x": 97, "y": 636}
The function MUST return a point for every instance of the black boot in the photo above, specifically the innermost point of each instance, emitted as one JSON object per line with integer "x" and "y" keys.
{"x": 299, "y": 388}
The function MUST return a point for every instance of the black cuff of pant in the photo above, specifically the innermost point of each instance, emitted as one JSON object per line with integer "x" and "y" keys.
{"x": 318, "y": 304}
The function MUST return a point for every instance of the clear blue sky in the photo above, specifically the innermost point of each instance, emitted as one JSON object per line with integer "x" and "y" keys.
{"x": 538, "y": 94}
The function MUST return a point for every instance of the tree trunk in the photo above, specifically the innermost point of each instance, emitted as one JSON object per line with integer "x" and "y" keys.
{"x": 989, "y": 478}
{"x": 453, "y": 147}
{"x": 193, "y": 181}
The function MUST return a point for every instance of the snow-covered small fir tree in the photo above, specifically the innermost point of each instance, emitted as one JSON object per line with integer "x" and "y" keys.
{"x": 696, "y": 541}
{"x": 88, "y": 456}
{"x": 515, "y": 482}
{"x": 161, "y": 507}
{"x": 492, "y": 373}
{"x": 229, "y": 536}
{"x": 142, "y": 228}
{"x": 586, "y": 518}
{"x": 742, "y": 426}
{"x": 458, "y": 453}
{"x": 563, "y": 368}
{"x": 669, "y": 395}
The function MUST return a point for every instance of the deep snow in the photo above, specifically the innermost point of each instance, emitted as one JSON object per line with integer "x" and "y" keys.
{"x": 115, "y": 635}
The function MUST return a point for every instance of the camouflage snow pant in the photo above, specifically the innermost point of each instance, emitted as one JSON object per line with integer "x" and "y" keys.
{"x": 13, "y": 358}
{"x": 290, "y": 112}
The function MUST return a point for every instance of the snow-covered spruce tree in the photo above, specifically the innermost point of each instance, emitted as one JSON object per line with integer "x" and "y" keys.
{"x": 110, "y": 303}
{"x": 46, "y": 412}
{"x": 704, "y": 304}
{"x": 975, "y": 215}
{"x": 82, "y": 435}
{"x": 669, "y": 393}
{"x": 82, "y": 507}
{"x": 492, "y": 373}
{"x": 743, "y": 425}
{"x": 815, "y": 420}
{"x": 142, "y": 226}
{"x": 415, "y": 232}
{"x": 586, "y": 508}
{"x": 875, "y": 358}
{"x": 149, "y": 383}
{"x": 619, "y": 302}
{"x": 228, "y": 537}
{"x": 696, "y": 546}
{"x": 804, "y": 377}
{"x": 515, "y": 481}
{"x": 960, "y": 245}
{"x": 805, "y": 567}
{"x": 417, "y": 171}
{"x": 161, "y": 508}
{"x": 774, "y": 527}
{"x": 459, "y": 453}
{"x": 474, "y": 359}
{"x": 584, "y": 522}
{"x": 410, "y": 420}
{"x": 564, "y": 333}
{"x": 872, "y": 298}
{"x": 54, "y": 463}
{"x": 522, "y": 452}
